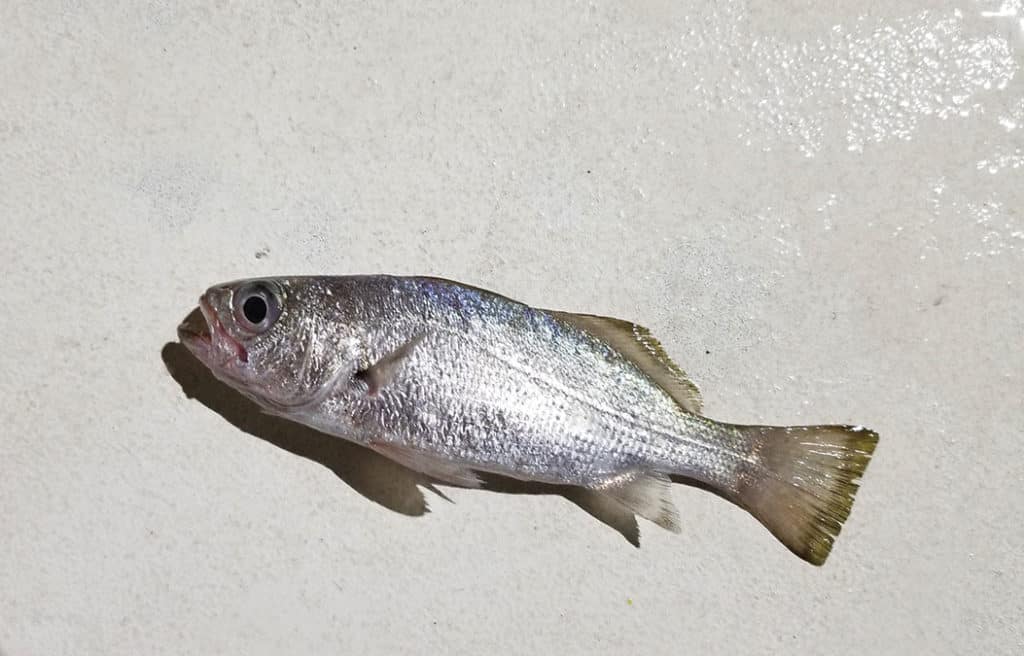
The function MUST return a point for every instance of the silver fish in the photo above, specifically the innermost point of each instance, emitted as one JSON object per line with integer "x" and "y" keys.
{"x": 451, "y": 380}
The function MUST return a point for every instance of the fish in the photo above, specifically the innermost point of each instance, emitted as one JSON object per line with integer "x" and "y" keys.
{"x": 455, "y": 382}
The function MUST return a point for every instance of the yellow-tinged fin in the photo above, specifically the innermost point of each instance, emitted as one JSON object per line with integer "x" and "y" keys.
{"x": 804, "y": 481}
{"x": 640, "y": 347}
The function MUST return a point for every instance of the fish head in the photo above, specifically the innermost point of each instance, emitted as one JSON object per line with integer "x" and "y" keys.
{"x": 275, "y": 340}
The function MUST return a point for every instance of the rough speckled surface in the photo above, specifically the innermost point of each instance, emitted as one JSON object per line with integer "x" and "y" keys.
{"x": 818, "y": 210}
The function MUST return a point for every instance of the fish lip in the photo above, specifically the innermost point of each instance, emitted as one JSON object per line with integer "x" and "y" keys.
{"x": 199, "y": 337}
{"x": 217, "y": 328}
{"x": 194, "y": 331}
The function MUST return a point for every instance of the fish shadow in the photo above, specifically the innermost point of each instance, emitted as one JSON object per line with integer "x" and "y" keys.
{"x": 375, "y": 477}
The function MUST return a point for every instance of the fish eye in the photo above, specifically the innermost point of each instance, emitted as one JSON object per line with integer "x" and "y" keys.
{"x": 257, "y": 307}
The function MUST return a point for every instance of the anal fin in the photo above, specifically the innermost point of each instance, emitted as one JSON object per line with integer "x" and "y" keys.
{"x": 645, "y": 494}
{"x": 442, "y": 470}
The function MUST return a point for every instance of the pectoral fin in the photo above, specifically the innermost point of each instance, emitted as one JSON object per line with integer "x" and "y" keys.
{"x": 430, "y": 465}
{"x": 383, "y": 371}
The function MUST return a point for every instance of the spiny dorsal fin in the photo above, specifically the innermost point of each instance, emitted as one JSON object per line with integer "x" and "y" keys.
{"x": 640, "y": 347}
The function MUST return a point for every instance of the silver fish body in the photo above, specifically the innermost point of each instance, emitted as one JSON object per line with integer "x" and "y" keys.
{"x": 451, "y": 380}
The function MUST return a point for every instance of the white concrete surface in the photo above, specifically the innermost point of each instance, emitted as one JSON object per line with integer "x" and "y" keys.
{"x": 817, "y": 207}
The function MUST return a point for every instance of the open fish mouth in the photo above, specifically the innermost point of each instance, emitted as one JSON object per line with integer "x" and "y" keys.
{"x": 203, "y": 332}
{"x": 195, "y": 329}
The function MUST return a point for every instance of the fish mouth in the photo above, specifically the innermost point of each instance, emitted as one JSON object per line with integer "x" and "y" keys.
{"x": 199, "y": 328}
{"x": 195, "y": 329}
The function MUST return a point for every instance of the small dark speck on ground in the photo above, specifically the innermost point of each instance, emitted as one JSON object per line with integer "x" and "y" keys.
{"x": 706, "y": 352}
{"x": 262, "y": 253}
{"x": 938, "y": 301}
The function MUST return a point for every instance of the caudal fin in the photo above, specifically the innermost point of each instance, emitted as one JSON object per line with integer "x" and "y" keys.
{"x": 803, "y": 483}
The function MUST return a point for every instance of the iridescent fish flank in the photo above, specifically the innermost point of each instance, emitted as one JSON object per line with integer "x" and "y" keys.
{"x": 451, "y": 380}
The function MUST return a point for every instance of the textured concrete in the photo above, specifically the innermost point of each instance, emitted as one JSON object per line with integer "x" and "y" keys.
{"x": 816, "y": 206}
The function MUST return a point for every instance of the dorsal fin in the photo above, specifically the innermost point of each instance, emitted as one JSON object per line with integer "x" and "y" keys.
{"x": 640, "y": 347}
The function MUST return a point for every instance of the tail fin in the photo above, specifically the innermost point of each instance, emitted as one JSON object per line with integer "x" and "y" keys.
{"x": 803, "y": 484}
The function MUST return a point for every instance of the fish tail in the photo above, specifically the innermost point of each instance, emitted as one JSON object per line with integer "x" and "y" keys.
{"x": 802, "y": 482}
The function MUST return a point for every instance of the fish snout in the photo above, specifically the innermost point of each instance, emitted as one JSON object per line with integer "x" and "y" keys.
{"x": 194, "y": 331}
